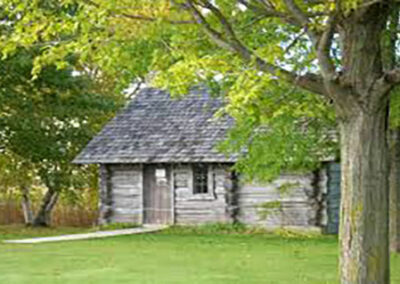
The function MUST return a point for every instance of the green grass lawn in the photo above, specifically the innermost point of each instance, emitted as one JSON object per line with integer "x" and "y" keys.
{"x": 174, "y": 256}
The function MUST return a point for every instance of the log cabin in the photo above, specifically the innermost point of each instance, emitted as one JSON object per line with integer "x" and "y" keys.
{"x": 159, "y": 164}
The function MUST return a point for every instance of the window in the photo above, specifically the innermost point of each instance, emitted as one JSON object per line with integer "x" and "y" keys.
{"x": 200, "y": 179}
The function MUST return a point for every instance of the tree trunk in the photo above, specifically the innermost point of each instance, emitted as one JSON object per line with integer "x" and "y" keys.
{"x": 26, "y": 205}
{"x": 364, "y": 227}
{"x": 43, "y": 216}
{"x": 395, "y": 191}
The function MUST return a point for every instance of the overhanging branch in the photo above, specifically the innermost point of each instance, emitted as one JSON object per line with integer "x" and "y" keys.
{"x": 216, "y": 36}
{"x": 153, "y": 19}
{"x": 302, "y": 19}
{"x": 140, "y": 17}
{"x": 323, "y": 48}
{"x": 229, "y": 41}
{"x": 268, "y": 10}
{"x": 309, "y": 81}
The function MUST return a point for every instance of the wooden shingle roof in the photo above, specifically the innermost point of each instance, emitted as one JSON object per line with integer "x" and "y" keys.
{"x": 155, "y": 128}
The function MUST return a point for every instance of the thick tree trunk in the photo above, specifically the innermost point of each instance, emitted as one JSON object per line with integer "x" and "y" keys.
{"x": 26, "y": 205}
{"x": 395, "y": 191}
{"x": 364, "y": 227}
{"x": 43, "y": 216}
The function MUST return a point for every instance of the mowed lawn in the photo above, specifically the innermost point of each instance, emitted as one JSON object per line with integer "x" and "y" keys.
{"x": 175, "y": 256}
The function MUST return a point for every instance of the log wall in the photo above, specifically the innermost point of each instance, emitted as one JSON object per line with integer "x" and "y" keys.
{"x": 191, "y": 209}
{"x": 302, "y": 204}
{"x": 290, "y": 200}
{"x": 121, "y": 198}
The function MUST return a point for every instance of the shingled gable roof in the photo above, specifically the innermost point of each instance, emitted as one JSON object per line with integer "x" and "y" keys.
{"x": 155, "y": 128}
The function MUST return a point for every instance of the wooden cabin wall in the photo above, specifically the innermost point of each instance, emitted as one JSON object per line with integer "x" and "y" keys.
{"x": 121, "y": 199}
{"x": 302, "y": 204}
{"x": 193, "y": 209}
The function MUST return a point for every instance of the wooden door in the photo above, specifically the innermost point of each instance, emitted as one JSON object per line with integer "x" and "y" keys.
{"x": 157, "y": 194}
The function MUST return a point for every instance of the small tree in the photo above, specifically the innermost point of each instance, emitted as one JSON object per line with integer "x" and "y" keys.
{"x": 17, "y": 174}
{"x": 45, "y": 123}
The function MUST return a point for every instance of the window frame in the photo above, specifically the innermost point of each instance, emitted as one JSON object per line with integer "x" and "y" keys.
{"x": 205, "y": 171}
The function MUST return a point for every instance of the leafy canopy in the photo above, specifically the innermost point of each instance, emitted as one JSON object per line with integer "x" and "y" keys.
{"x": 279, "y": 125}
{"x": 44, "y": 123}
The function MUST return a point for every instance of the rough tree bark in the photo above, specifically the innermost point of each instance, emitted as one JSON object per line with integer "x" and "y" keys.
{"x": 26, "y": 205}
{"x": 365, "y": 199}
{"x": 363, "y": 122}
{"x": 395, "y": 190}
{"x": 43, "y": 216}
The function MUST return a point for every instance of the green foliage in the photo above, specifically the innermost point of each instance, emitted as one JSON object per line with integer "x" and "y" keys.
{"x": 285, "y": 188}
{"x": 93, "y": 31}
{"x": 395, "y": 108}
{"x": 14, "y": 172}
{"x": 212, "y": 228}
{"x": 242, "y": 229}
{"x": 278, "y": 127}
{"x": 296, "y": 234}
{"x": 44, "y": 123}
{"x": 267, "y": 209}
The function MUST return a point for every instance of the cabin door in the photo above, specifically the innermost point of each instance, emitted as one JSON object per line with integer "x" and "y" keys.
{"x": 157, "y": 195}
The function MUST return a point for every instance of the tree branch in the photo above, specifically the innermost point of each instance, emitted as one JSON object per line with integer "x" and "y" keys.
{"x": 321, "y": 40}
{"x": 323, "y": 49}
{"x": 310, "y": 82}
{"x": 294, "y": 41}
{"x": 391, "y": 75}
{"x": 142, "y": 17}
{"x": 267, "y": 4}
{"x": 153, "y": 19}
{"x": 267, "y": 10}
{"x": 301, "y": 18}
{"x": 369, "y": 3}
{"x": 216, "y": 36}
{"x": 224, "y": 22}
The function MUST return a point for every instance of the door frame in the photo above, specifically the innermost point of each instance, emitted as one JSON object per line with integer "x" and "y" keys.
{"x": 172, "y": 188}
{"x": 170, "y": 178}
